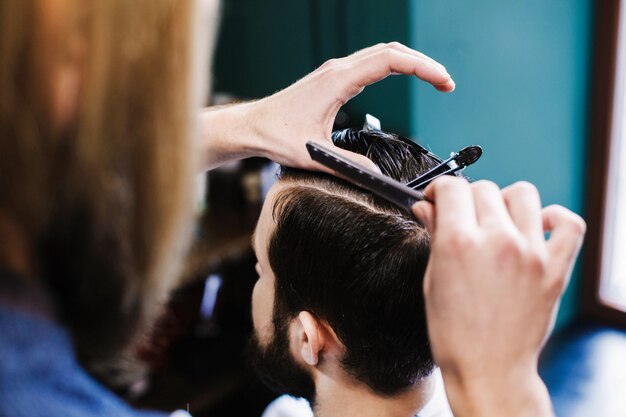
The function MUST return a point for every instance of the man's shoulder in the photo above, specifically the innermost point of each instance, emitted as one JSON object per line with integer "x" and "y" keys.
{"x": 287, "y": 406}
{"x": 438, "y": 405}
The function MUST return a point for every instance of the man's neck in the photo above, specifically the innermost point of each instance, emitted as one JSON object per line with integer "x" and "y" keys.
{"x": 339, "y": 395}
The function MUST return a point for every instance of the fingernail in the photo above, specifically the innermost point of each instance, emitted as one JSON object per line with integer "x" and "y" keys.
{"x": 444, "y": 71}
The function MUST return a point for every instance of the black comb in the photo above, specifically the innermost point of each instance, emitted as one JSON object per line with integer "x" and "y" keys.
{"x": 381, "y": 185}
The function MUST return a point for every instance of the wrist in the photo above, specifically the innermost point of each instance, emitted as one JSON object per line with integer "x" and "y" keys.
{"x": 518, "y": 392}
{"x": 259, "y": 128}
{"x": 229, "y": 133}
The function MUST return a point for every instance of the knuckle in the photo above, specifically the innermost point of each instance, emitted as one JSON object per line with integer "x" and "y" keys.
{"x": 385, "y": 53}
{"x": 447, "y": 185}
{"x": 395, "y": 45}
{"x": 558, "y": 211}
{"x": 552, "y": 211}
{"x": 508, "y": 247}
{"x": 447, "y": 181}
{"x": 331, "y": 63}
{"x": 485, "y": 186}
{"x": 578, "y": 224}
{"x": 524, "y": 187}
{"x": 459, "y": 241}
{"x": 568, "y": 218}
{"x": 537, "y": 263}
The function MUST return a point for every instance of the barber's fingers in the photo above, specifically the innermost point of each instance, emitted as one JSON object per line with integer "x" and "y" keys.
{"x": 453, "y": 210}
{"x": 425, "y": 213}
{"x": 493, "y": 208}
{"x": 373, "y": 67}
{"x": 393, "y": 45}
{"x": 524, "y": 205}
{"x": 491, "y": 211}
{"x": 393, "y": 60}
{"x": 567, "y": 231}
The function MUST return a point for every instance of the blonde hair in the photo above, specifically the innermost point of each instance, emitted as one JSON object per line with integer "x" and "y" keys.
{"x": 105, "y": 202}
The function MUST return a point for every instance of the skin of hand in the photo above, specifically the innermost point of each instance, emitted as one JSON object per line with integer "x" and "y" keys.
{"x": 278, "y": 126}
{"x": 492, "y": 288}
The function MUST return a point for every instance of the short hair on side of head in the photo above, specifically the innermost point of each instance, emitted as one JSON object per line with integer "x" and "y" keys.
{"x": 357, "y": 262}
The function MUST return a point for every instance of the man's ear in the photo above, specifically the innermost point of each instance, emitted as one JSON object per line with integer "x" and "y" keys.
{"x": 310, "y": 337}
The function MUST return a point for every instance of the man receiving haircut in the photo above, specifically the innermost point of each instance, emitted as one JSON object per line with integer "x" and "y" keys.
{"x": 338, "y": 308}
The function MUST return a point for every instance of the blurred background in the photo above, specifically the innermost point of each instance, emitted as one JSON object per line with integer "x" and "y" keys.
{"x": 539, "y": 87}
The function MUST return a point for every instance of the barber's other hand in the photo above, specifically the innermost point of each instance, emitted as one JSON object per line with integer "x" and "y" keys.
{"x": 492, "y": 288}
{"x": 306, "y": 110}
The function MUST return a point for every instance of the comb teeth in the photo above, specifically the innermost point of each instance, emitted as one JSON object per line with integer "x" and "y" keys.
{"x": 469, "y": 155}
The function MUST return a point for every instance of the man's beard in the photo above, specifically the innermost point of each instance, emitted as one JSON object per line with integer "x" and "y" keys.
{"x": 275, "y": 366}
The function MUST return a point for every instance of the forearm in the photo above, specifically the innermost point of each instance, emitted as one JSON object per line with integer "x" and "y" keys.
{"x": 228, "y": 133}
{"x": 516, "y": 394}
{"x": 278, "y": 126}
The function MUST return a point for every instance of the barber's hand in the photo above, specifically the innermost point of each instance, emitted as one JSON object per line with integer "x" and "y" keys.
{"x": 492, "y": 288}
{"x": 282, "y": 123}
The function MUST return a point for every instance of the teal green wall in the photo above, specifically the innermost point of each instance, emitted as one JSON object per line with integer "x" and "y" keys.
{"x": 370, "y": 22}
{"x": 265, "y": 46}
{"x": 521, "y": 67}
{"x": 522, "y": 71}
{"x": 261, "y": 51}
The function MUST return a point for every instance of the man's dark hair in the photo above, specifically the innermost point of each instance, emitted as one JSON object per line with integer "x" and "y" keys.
{"x": 357, "y": 262}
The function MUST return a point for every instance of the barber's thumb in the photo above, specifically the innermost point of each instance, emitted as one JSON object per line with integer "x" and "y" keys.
{"x": 425, "y": 213}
